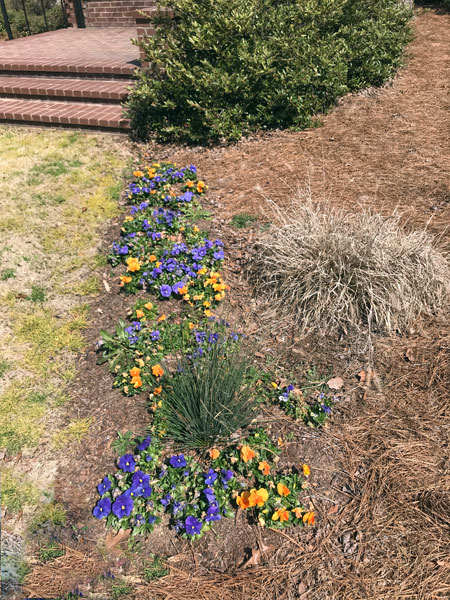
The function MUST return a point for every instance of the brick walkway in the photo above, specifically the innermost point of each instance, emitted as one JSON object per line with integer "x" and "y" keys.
{"x": 73, "y": 50}
{"x": 70, "y": 77}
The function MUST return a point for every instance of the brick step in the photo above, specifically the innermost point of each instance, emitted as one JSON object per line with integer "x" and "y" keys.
{"x": 52, "y": 88}
{"x": 57, "y": 68}
{"x": 65, "y": 114}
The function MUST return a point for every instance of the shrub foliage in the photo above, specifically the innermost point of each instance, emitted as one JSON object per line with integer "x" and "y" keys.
{"x": 222, "y": 68}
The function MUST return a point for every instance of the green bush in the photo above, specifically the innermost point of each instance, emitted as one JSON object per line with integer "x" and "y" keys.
{"x": 222, "y": 68}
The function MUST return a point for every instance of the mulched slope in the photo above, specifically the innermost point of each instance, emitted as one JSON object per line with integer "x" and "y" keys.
{"x": 384, "y": 460}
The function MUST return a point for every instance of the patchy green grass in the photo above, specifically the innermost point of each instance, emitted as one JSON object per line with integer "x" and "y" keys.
{"x": 22, "y": 410}
{"x": 50, "y": 552}
{"x": 59, "y": 189}
{"x": 7, "y": 274}
{"x": 243, "y": 220}
{"x": 17, "y": 492}
{"x": 47, "y": 336}
{"x": 50, "y": 514}
{"x": 74, "y": 432}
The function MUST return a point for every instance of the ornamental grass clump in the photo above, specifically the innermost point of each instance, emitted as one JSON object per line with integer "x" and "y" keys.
{"x": 329, "y": 271}
{"x": 208, "y": 398}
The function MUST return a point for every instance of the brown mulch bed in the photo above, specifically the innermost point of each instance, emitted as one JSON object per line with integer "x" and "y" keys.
{"x": 382, "y": 467}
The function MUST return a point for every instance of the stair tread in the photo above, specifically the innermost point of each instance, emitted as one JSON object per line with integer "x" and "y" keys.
{"x": 84, "y": 114}
{"x": 114, "y": 89}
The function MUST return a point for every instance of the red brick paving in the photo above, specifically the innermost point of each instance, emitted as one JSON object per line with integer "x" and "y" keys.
{"x": 79, "y": 51}
{"x": 84, "y": 114}
{"x": 64, "y": 87}
{"x": 61, "y": 72}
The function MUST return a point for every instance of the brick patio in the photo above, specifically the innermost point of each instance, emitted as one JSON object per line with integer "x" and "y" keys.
{"x": 71, "y": 77}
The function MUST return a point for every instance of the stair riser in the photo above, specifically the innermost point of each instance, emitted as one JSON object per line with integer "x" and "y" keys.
{"x": 62, "y": 98}
{"x": 55, "y": 75}
{"x": 87, "y": 128}
{"x": 46, "y": 71}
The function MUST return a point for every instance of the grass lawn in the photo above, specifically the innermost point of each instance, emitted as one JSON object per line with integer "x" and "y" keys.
{"x": 59, "y": 190}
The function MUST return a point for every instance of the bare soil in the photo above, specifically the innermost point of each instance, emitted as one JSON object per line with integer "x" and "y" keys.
{"x": 381, "y": 479}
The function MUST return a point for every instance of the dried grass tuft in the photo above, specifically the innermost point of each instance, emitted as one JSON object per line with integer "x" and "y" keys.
{"x": 330, "y": 270}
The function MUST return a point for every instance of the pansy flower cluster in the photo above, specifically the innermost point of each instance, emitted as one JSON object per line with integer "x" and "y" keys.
{"x": 163, "y": 183}
{"x": 138, "y": 350}
{"x": 313, "y": 411}
{"x": 195, "y": 493}
{"x": 161, "y": 250}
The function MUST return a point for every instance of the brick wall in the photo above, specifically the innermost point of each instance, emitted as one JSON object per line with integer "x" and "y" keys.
{"x": 108, "y": 13}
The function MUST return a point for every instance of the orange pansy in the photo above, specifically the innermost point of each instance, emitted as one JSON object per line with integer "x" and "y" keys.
{"x": 135, "y": 372}
{"x": 214, "y": 453}
{"x": 157, "y": 370}
{"x": 162, "y": 318}
{"x": 264, "y": 467}
{"x": 309, "y": 518}
{"x": 247, "y": 453}
{"x": 283, "y": 490}
{"x": 139, "y": 313}
{"x": 243, "y": 501}
{"x": 152, "y": 258}
{"x": 258, "y": 497}
{"x": 157, "y": 390}
{"x": 306, "y": 470}
{"x": 148, "y": 306}
{"x": 297, "y": 511}
{"x": 282, "y": 514}
{"x": 124, "y": 279}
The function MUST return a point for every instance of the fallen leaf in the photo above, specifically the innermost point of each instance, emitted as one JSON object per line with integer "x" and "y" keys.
{"x": 112, "y": 541}
{"x": 333, "y": 510}
{"x": 106, "y": 284}
{"x": 259, "y": 355}
{"x": 336, "y": 383}
{"x": 254, "y": 559}
{"x": 410, "y": 355}
{"x": 361, "y": 376}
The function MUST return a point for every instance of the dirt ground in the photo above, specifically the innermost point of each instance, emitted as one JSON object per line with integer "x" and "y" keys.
{"x": 381, "y": 484}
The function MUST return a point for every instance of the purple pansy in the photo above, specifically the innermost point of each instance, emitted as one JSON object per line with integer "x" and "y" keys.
{"x": 102, "y": 508}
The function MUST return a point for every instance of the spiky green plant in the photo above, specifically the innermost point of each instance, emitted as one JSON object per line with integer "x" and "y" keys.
{"x": 208, "y": 399}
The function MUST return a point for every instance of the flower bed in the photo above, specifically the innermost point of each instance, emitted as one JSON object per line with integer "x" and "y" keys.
{"x": 166, "y": 254}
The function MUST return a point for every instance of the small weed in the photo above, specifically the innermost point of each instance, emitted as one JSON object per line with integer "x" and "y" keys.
{"x": 123, "y": 442}
{"x": 4, "y": 367}
{"x": 243, "y": 220}
{"x": 74, "y": 432}
{"x": 52, "y": 166}
{"x": 50, "y": 552}
{"x": 87, "y": 288}
{"x": 7, "y": 274}
{"x": 120, "y": 589}
{"x": 100, "y": 260}
{"x": 155, "y": 569}
{"x": 51, "y": 514}
{"x": 37, "y": 294}
{"x": 17, "y": 493}
{"x": 71, "y": 139}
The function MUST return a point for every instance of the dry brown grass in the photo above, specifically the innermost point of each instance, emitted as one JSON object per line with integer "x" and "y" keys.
{"x": 329, "y": 270}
